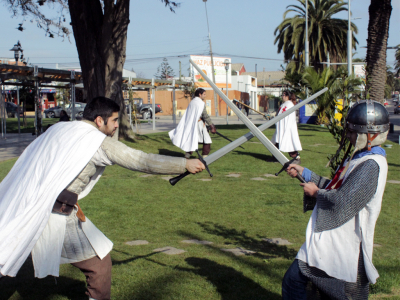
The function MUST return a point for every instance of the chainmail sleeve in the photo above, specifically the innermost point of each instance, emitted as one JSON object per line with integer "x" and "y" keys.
{"x": 336, "y": 207}
{"x": 321, "y": 182}
{"x": 205, "y": 117}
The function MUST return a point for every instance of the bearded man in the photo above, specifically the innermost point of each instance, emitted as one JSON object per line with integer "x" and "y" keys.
{"x": 39, "y": 213}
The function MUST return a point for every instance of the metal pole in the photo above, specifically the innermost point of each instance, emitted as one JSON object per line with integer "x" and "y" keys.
{"x": 19, "y": 123}
{"x": 153, "y": 96}
{"x": 174, "y": 101}
{"x": 227, "y": 97}
{"x": 180, "y": 71}
{"x": 72, "y": 95}
{"x": 349, "y": 44}
{"x": 306, "y": 58}
{"x": 212, "y": 62}
{"x": 2, "y": 115}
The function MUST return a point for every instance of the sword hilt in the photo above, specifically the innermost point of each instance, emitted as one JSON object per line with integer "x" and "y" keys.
{"x": 175, "y": 180}
{"x": 286, "y": 165}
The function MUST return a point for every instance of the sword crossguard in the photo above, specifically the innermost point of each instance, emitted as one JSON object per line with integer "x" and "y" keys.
{"x": 204, "y": 162}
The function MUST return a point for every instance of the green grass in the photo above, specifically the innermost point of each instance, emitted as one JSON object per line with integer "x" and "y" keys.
{"x": 12, "y": 124}
{"x": 230, "y": 212}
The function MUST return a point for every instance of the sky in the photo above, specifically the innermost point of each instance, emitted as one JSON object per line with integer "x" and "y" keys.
{"x": 242, "y": 30}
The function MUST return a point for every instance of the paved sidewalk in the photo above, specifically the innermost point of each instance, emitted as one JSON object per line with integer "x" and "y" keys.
{"x": 14, "y": 144}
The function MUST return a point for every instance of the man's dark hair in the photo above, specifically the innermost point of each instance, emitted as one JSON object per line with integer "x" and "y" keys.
{"x": 100, "y": 106}
{"x": 286, "y": 93}
{"x": 199, "y": 92}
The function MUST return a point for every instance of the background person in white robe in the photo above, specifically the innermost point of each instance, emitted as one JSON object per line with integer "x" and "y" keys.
{"x": 57, "y": 169}
{"x": 192, "y": 128}
{"x": 286, "y": 137}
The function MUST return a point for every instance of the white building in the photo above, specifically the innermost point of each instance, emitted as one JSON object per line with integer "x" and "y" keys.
{"x": 246, "y": 84}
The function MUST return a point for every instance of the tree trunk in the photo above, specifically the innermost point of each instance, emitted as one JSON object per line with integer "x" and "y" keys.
{"x": 378, "y": 33}
{"x": 100, "y": 35}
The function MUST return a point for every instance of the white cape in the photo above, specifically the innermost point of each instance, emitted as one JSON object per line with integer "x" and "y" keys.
{"x": 286, "y": 134}
{"x": 186, "y": 134}
{"x": 28, "y": 192}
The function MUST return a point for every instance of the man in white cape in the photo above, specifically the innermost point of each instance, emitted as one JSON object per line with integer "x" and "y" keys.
{"x": 286, "y": 137}
{"x": 191, "y": 129}
{"x": 39, "y": 213}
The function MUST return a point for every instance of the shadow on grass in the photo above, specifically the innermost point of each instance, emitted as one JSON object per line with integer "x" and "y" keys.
{"x": 171, "y": 153}
{"x": 230, "y": 284}
{"x": 31, "y": 288}
{"x": 263, "y": 157}
{"x": 241, "y": 238}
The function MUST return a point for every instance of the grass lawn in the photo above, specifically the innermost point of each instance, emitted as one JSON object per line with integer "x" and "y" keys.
{"x": 227, "y": 211}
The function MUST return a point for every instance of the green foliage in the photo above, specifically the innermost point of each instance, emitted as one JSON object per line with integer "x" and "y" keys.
{"x": 326, "y": 34}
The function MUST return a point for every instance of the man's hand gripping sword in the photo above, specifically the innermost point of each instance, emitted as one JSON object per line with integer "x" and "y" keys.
{"x": 254, "y": 130}
{"x": 174, "y": 180}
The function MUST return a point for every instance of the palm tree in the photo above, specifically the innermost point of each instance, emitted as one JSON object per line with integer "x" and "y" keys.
{"x": 378, "y": 32}
{"x": 397, "y": 65}
{"x": 326, "y": 34}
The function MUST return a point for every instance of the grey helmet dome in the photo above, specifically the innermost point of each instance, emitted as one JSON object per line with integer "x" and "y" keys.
{"x": 368, "y": 116}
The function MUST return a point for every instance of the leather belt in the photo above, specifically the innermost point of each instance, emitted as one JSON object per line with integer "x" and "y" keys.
{"x": 65, "y": 203}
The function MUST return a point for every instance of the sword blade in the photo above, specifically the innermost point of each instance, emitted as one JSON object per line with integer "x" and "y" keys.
{"x": 254, "y": 130}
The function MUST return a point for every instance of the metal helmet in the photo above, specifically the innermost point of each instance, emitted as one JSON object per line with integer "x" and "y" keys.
{"x": 368, "y": 116}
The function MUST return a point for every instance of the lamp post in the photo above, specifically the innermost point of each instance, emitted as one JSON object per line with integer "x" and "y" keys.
{"x": 227, "y": 63}
{"x": 17, "y": 48}
{"x": 349, "y": 44}
{"x": 212, "y": 61}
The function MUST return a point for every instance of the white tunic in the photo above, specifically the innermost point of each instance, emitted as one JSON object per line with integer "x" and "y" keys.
{"x": 190, "y": 132}
{"x": 28, "y": 192}
{"x": 336, "y": 251}
{"x": 286, "y": 134}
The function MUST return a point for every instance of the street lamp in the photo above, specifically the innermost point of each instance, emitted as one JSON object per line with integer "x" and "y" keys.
{"x": 212, "y": 61}
{"x": 227, "y": 63}
{"x": 17, "y": 48}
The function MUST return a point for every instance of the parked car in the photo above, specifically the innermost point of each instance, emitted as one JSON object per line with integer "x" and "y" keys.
{"x": 79, "y": 108}
{"x": 146, "y": 110}
{"x": 397, "y": 109}
{"x": 53, "y": 112}
{"x": 11, "y": 109}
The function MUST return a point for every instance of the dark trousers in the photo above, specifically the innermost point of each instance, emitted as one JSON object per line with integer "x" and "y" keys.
{"x": 98, "y": 276}
{"x": 206, "y": 150}
{"x": 294, "y": 283}
{"x": 293, "y": 154}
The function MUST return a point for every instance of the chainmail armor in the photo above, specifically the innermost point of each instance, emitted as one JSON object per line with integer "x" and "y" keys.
{"x": 321, "y": 182}
{"x": 323, "y": 286}
{"x": 338, "y": 206}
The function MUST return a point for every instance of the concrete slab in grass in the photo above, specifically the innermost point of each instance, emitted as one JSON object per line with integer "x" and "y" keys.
{"x": 377, "y": 245}
{"x": 194, "y": 241}
{"x": 167, "y": 177}
{"x": 239, "y": 251}
{"x": 270, "y": 175}
{"x": 234, "y": 175}
{"x": 394, "y": 181}
{"x": 257, "y": 178}
{"x": 277, "y": 241}
{"x": 205, "y": 179}
{"x": 146, "y": 175}
{"x": 137, "y": 243}
{"x": 169, "y": 250}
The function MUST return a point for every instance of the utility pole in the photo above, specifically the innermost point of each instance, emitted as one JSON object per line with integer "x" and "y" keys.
{"x": 180, "y": 70}
{"x": 306, "y": 58}
{"x": 212, "y": 61}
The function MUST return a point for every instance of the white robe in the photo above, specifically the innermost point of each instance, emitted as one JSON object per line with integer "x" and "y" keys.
{"x": 28, "y": 192}
{"x": 190, "y": 132}
{"x": 286, "y": 134}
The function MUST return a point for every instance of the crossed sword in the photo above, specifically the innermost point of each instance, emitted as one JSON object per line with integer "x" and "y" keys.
{"x": 254, "y": 132}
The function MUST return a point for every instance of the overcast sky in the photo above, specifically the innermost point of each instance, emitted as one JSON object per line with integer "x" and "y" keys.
{"x": 239, "y": 29}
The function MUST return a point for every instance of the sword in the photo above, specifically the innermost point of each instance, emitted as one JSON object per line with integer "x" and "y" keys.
{"x": 248, "y": 136}
{"x": 225, "y": 137}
